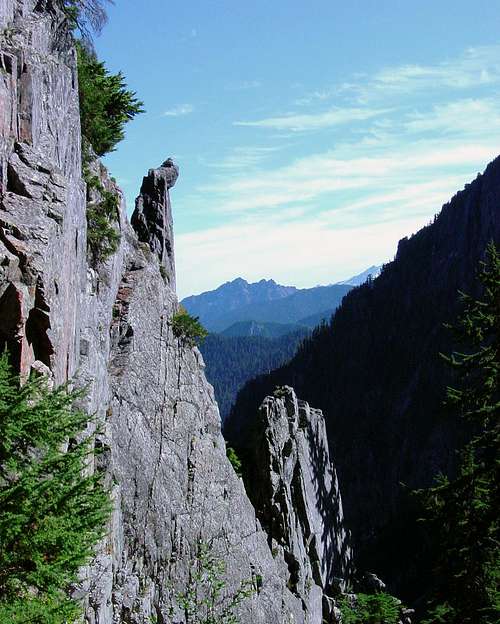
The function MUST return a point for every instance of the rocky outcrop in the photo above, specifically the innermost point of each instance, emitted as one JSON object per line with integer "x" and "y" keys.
{"x": 108, "y": 326}
{"x": 173, "y": 484}
{"x": 152, "y": 218}
{"x": 293, "y": 485}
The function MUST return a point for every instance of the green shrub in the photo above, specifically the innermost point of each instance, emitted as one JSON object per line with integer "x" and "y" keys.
{"x": 102, "y": 237}
{"x": 106, "y": 104}
{"x": 370, "y": 609}
{"x": 188, "y": 328}
{"x": 52, "y": 513}
{"x": 235, "y": 460}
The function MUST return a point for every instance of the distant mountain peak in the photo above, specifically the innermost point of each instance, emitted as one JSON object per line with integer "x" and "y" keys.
{"x": 357, "y": 280}
{"x": 234, "y": 295}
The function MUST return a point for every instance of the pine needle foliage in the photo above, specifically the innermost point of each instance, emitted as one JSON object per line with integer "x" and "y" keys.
{"x": 463, "y": 513}
{"x": 370, "y": 609}
{"x": 85, "y": 16}
{"x": 52, "y": 511}
{"x": 106, "y": 104}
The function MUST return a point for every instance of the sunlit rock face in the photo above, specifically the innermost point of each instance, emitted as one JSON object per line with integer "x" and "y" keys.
{"x": 293, "y": 485}
{"x": 42, "y": 202}
{"x": 107, "y": 325}
{"x": 152, "y": 217}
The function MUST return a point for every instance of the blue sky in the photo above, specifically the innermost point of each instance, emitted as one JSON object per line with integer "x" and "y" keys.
{"x": 310, "y": 136}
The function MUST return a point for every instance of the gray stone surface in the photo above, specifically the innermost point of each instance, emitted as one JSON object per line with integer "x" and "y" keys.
{"x": 295, "y": 491}
{"x": 110, "y": 325}
{"x": 152, "y": 217}
{"x": 42, "y": 202}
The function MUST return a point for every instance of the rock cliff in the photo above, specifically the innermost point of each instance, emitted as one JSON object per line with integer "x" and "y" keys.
{"x": 294, "y": 488}
{"x": 108, "y": 325}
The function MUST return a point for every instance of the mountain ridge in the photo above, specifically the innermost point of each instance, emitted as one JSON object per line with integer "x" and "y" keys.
{"x": 262, "y": 302}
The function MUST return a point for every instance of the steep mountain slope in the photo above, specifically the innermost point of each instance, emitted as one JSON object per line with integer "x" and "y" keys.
{"x": 264, "y": 329}
{"x": 376, "y": 373}
{"x": 231, "y": 361}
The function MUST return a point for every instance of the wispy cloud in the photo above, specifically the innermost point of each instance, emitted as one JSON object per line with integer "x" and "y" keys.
{"x": 406, "y": 139}
{"x": 179, "y": 111}
{"x": 478, "y": 117}
{"x": 314, "y": 121}
{"x": 244, "y": 157}
{"x": 244, "y": 85}
{"x": 315, "y": 96}
{"x": 475, "y": 67}
{"x": 309, "y": 180}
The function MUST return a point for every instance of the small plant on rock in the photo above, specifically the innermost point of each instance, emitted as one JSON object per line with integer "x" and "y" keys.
{"x": 234, "y": 460}
{"x": 102, "y": 236}
{"x": 206, "y": 599}
{"x": 188, "y": 328}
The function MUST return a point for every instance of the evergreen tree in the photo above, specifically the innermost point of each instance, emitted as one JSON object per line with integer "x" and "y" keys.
{"x": 106, "y": 105}
{"x": 463, "y": 513}
{"x": 52, "y": 510}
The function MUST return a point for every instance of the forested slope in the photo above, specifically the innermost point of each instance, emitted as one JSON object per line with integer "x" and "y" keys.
{"x": 232, "y": 360}
{"x": 376, "y": 373}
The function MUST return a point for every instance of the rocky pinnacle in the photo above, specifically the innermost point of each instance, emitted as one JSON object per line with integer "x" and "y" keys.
{"x": 152, "y": 217}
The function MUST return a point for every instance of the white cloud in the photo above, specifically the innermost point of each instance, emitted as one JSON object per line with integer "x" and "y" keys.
{"x": 244, "y": 157}
{"x": 309, "y": 179}
{"x": 302, "y": 253}
{"x": 475, "y": 67}
{"x": 314, "y": 121}
{"x": 278, "y": 226}
{"x": 479, "y": 117}
{"x": 179, "y": 111}
{"x": 315, "y": 96}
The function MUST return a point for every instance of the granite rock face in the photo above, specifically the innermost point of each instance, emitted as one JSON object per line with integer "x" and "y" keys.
{"x": 108, "y": 325}
{"x": 152, "y": 218}
{"x": 293, "y": 485}
{"x": 42, "y": 209}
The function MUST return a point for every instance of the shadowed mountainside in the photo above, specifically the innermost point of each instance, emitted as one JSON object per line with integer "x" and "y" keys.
{"x": 375, "y": 372}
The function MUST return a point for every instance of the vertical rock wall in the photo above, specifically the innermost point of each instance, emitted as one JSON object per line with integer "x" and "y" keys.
{"x": 42, "y": 203}
{"x": 294, "y": 488}
{"x": 110, "y": 325}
